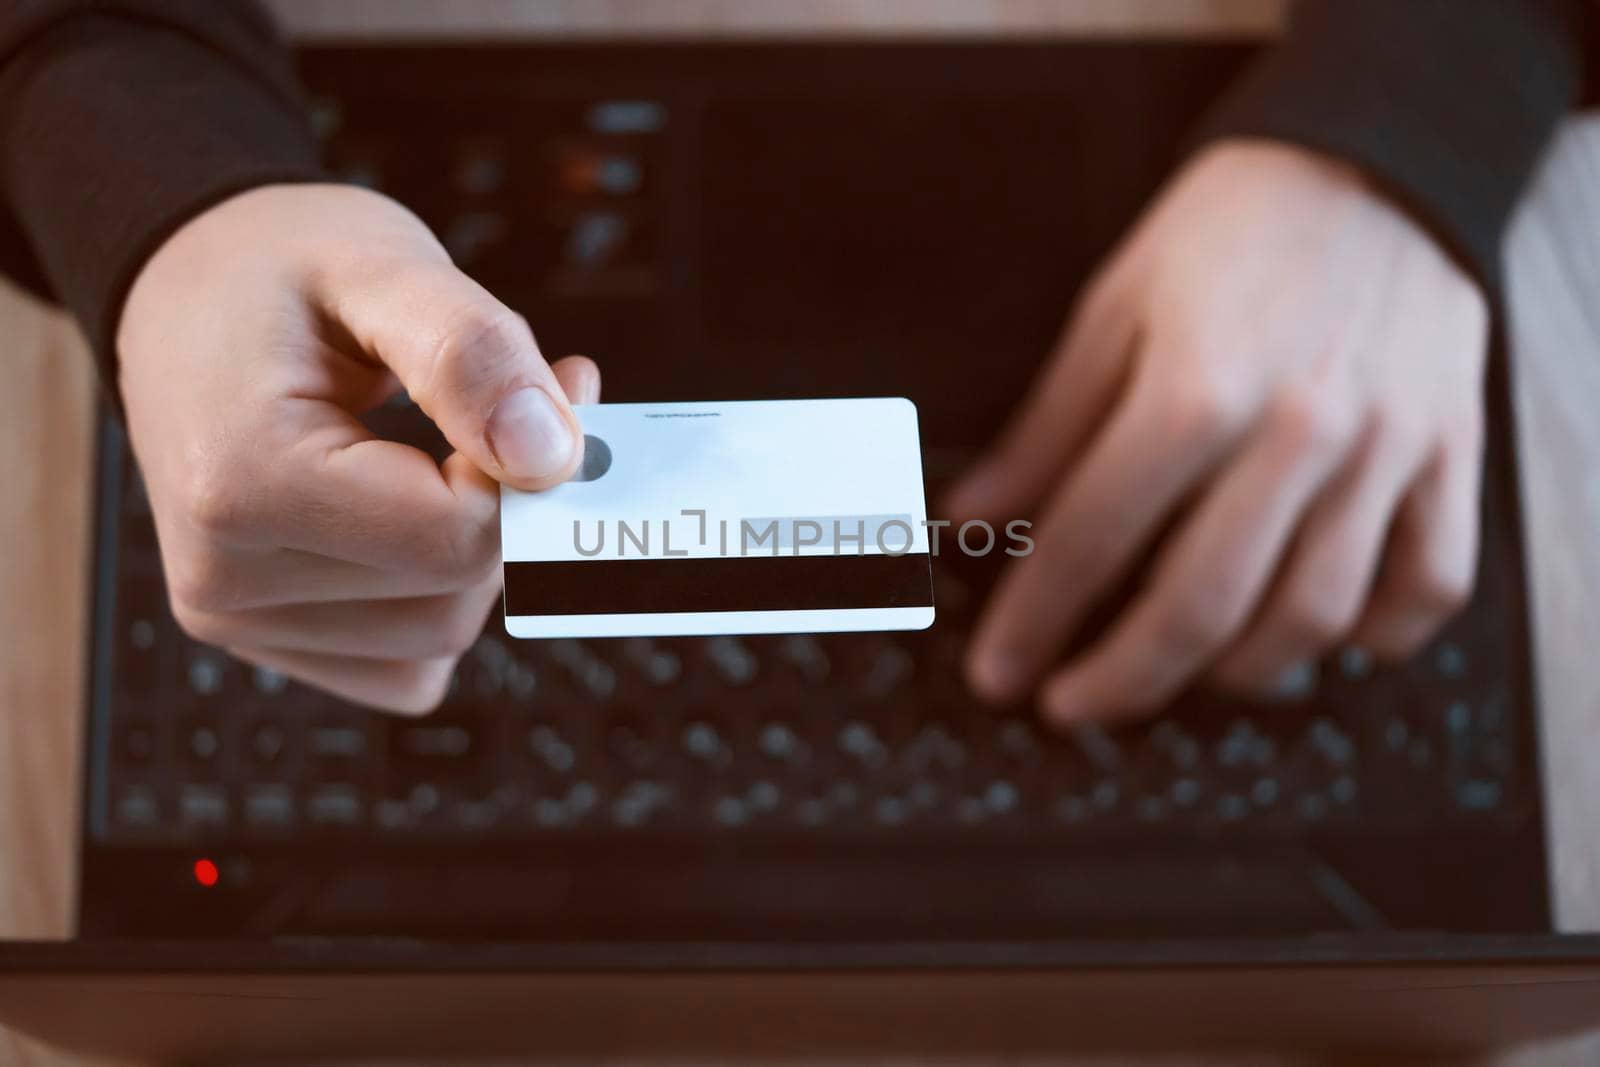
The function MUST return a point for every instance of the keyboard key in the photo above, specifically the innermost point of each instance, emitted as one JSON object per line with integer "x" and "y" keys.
{"x": 1332, "y": 744}
{"x": 269, "y": 681}
{"x": 593, "y": 677}
{"x": 780, "y": 744}
{"x": 934, "y": 749}
{"x": 1001, "y": 796}
{"x": 394, "y": 815}
{"x": 136, "y": 743}
{"x": 1355, "y": 662}
{"x": 639, "y": 803}
{"x": 631, "y": 741}
{"x": 206, "y": 673}
{"x": 552, "y": 749}
{"x": 807, "y": 657}
{"x": 731, "y": 811}
{"x": 1098, "y": 746}
{"x": 334, "y": 805}
{"x": 1479, "y": 795}
{"x": 435, "y": 742}
{"x": 336, "y": 742}
{"x": 1449, "y": 660}
{"x": 142, "y": 635}
{"x": 203, "y": 806}
{"x": 267, "y": 744}
{"x": 137, "y": 807}
{"x": 859, "y": 740}
{"x": 733, "y": 660}
{"x": 269, "y": 807}
{"x": 204, "y": 744}
{"x": 890, "y": 668}
{"x": 424, "y": 798}
{"x": 764, "y": 796}
{"x": 1297, "y": 683}
{"x": 702, "y": 742}
{"x": 476, "y": 815}
{"x": 479, "y": 168}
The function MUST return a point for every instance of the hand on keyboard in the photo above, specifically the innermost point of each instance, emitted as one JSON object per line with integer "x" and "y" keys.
{"x": 1287, "y": 371}
{"x": 250, "y": 342}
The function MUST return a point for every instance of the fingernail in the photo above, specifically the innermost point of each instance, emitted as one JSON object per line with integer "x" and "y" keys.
{"x": 998, "y": 676}
{"x": 529, "y": 436}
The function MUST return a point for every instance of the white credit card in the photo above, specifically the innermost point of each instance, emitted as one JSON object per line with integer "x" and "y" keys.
{"x": 745, "y": 517}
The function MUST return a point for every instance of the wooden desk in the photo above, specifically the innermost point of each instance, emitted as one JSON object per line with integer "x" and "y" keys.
{"x": 45, "y": 423}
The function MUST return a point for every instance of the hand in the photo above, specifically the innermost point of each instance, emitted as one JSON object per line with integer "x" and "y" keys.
{"x": 1281, "y": 361}
{"x": 248, "y": 344}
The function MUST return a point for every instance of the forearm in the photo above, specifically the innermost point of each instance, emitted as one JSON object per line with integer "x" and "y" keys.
{"x": 118, "y": 122}
{"x": 1445, "y": 104}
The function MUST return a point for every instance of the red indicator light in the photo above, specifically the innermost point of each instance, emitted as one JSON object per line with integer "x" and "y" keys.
{"x": 205, "y": 872}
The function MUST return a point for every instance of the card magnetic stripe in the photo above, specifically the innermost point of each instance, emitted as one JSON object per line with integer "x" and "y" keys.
{"x": 718, "y": 583}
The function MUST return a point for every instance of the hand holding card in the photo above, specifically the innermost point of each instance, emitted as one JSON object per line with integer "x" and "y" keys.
{"x": 289, "y": 534}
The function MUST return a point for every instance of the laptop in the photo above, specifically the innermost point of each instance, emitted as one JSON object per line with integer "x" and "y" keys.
{"x": 799, "y": 841}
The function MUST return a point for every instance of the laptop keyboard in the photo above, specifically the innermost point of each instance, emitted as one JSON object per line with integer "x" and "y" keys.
{"x": 821, "y": 735}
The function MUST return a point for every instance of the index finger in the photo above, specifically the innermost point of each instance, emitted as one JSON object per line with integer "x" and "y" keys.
{"x": 318, "y": 481}
{"x": 1164, "y": 438}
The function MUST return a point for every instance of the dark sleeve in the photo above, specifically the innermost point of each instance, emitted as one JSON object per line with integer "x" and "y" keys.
{"x": 1445, "y": 104}
{"x": 121, "y": 119}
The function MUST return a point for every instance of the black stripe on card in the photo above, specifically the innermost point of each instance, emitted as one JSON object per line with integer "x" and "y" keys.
{"x": 718, "y": 583}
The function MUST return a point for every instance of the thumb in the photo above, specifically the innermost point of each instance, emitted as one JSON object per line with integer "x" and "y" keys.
{"x": 472, "y": 365}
